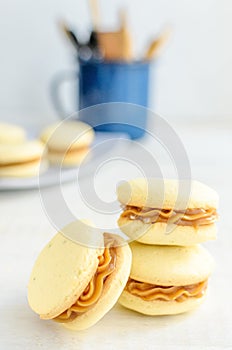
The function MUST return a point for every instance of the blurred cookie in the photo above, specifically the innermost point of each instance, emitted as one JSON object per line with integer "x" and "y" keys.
{"x": 67, "y": 142}
{"x": 11, "y": 134}
{"x": 22, "y": 160}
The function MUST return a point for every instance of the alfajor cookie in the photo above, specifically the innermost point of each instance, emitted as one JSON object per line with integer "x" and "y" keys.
{"x": 74, "y": 284}
{"x": 22, "y": 160}
{"x": 67, "y": 142}
{"x": 168, "y": 212}
{"x": 11, "y": 134}
{"x": 166, "y": 280}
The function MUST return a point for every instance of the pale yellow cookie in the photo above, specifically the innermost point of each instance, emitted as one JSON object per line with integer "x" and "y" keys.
{"x": 167, "y": 194}
{"x": 158, "y": 307}
{"x": 11, "y": 134}
{"x": 159, "y": 233}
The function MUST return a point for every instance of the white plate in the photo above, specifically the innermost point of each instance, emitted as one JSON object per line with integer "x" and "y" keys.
{"x": 55, "y": 175}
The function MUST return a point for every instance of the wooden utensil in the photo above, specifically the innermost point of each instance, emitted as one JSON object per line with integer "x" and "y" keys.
{"x": 117, "y": 45}
{"x": 126, "y": 39}
{"x": 155, "y": 48}
{"x": 95, "y": 14}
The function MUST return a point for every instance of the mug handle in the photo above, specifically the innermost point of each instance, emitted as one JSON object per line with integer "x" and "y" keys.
{"x": 55, "y": 91}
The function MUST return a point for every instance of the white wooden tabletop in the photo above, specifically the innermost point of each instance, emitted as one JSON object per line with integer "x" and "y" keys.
{"x": 25, "y": 228}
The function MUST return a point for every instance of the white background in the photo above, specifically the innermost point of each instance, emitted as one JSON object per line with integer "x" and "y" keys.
{"x": 193, "y": 84}
{"x": 191, "y": 81}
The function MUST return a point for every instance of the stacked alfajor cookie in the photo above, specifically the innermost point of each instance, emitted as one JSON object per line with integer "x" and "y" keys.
{"x": 63, "y": 143}
{"x": 167, "y": 219}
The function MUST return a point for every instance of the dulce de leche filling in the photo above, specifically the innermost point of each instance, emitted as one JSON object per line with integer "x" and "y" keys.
{"x": 68, "y": 151}
{"x": 94, "y": 289}
{"x": 149, "y": 292}
{"x": 23, "y": 162}
{"x": 189, "y": 217}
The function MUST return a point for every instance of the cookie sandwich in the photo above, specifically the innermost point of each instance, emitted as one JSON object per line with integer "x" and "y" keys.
{"x": 166, "y": 212}
{"x": 166, "y": 280}
{"x": 67, "y": 142}
{"x": 22, "y": 160}
{"x": 75, "y": 284}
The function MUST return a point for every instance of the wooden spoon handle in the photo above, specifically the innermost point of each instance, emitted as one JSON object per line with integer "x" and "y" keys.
{"x": 157, "y": 45}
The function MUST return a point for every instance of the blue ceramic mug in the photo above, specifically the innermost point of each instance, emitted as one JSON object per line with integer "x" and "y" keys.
{"x": 101, "y": 82}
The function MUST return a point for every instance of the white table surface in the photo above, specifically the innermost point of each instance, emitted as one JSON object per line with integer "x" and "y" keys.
{"x": 25, "y": 228}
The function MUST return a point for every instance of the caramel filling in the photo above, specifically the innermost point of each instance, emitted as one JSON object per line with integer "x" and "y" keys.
{"x": 25, "y": 162}
{"x": 94, "y": 289}
{"x": 189, "y": 217}
{"x": 149, "y": 292}
{"x": 70, "y": 150}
